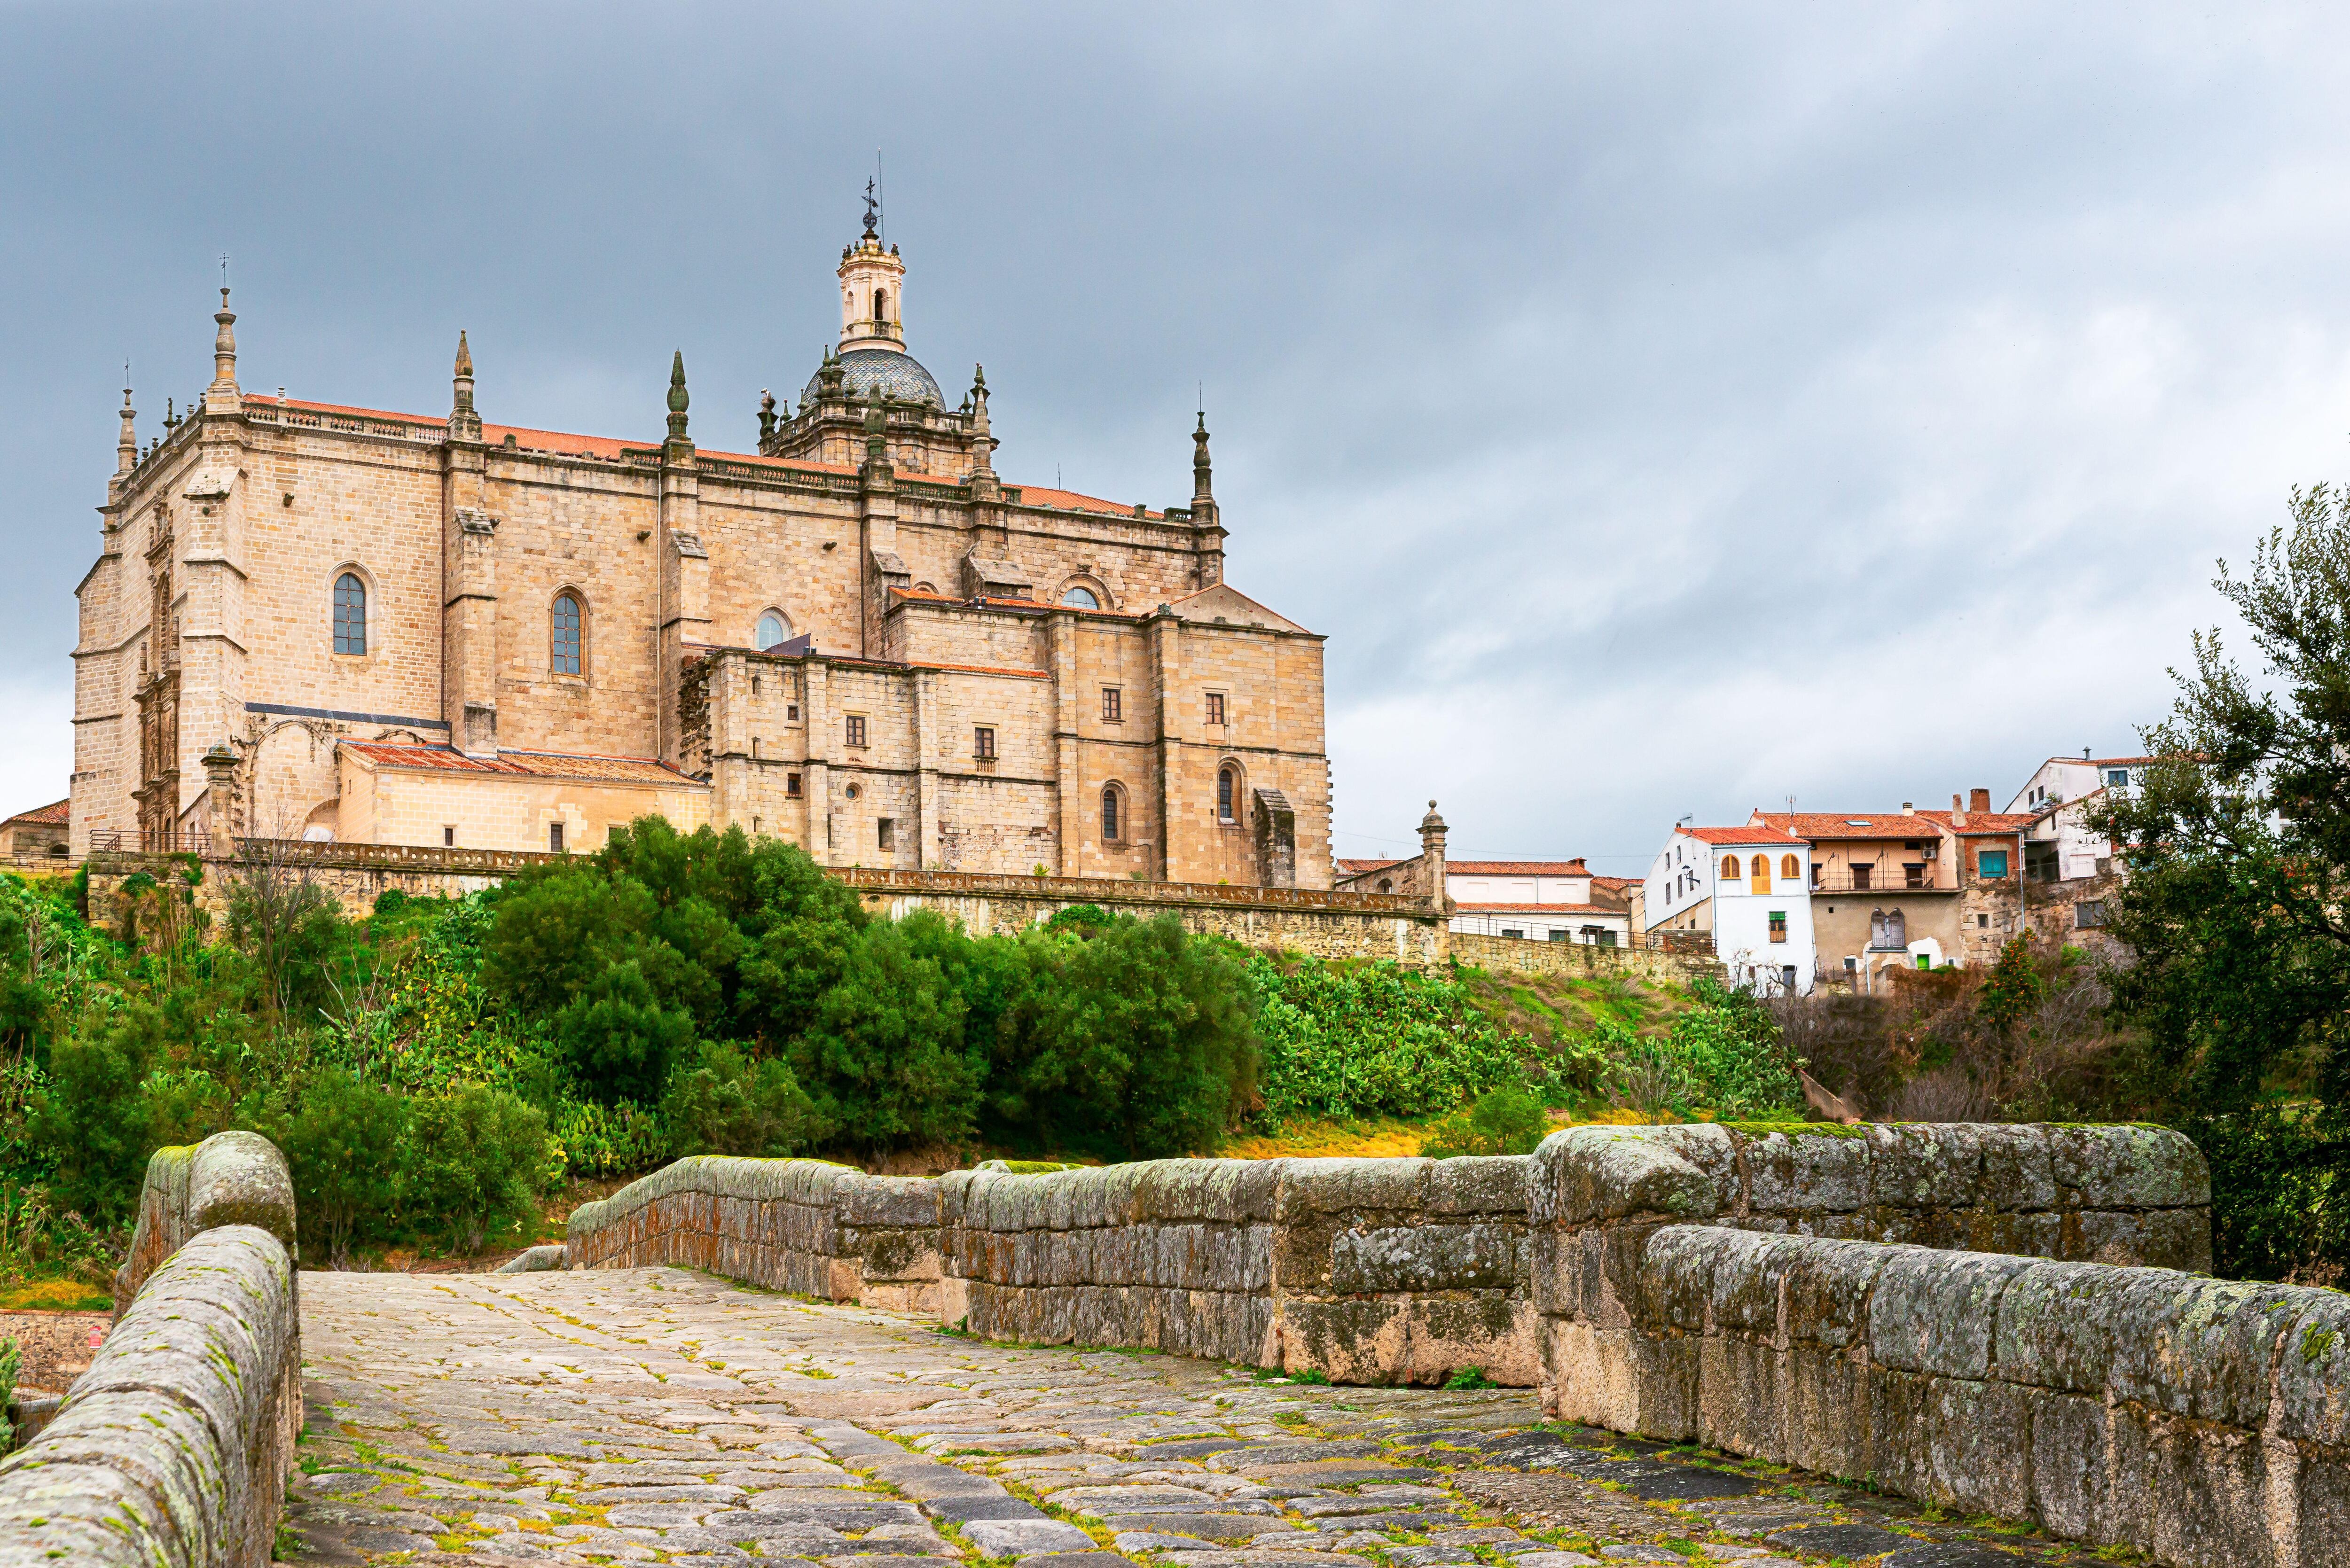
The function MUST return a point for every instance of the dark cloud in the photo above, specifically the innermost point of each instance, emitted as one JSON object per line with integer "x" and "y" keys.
{"x": 1662, "y": 409}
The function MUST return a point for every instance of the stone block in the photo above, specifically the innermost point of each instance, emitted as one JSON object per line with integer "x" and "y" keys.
{"x": 2072, "y": 1463}
{"x": 1480, "y": 1184}
{"x": 1486, "y": 1329}
{"x": 1677, "y": 1274}
{"x": 1828, "y": 1290}
{"x": 1314, "y": 1188}
{"x": 1826, "y": 1414}
{"x": 1741, "y": 1403}
{"x": 2313, "y": 1372}
{"x": 1936, "y": 1312}
{"x": 1924, "y": 1167}
{"x": 2017, "y": 1172}
{"x": 1806, "y": 1173}
{"x": 2175, "y": 1239}
{"x": 2198, "y": 1347}
{"x": 1426, "y": 1257}
{"x": 1597, "y": 1173}
{"x": 2127, "y": 1168}
{"x": 2057, "y": 1327}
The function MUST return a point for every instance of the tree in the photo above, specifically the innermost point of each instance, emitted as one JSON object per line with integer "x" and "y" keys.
{"x": 338, "y": 1147}
{"x": 284, "y": 920}
{"x": 885, "y": 1060}
{"x": 2236, "y": 846}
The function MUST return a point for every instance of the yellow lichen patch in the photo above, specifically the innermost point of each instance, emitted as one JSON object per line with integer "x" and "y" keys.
{"x": 53, "y": 1296}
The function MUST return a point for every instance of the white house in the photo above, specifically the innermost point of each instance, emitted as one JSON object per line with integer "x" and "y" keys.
{"x": 1541, "y": 900}
{"x": 2060, "y": 846}
{"x": 1751, "y": 887}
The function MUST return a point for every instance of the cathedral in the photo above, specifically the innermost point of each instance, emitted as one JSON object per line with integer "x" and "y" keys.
{"x": 314, "y": 622}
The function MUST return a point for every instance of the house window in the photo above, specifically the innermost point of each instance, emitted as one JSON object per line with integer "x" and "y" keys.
{"x": 1387, "y": 883}
{"x": 350, "y": 613}
{"x": 1520, "y": 936}
{"x": 1789, "y": 868}
{"x": 1762, "y": 882}
{"x": 1215, "y": 708}
{"x": 1729, "y": 868}
{"x": 1992, "y": 863}
{"x": 555, "y": 838}
{"x": 1113, "y": 818}
{"x": 2117, "y": 778}
{"x": 983, "y": 743}
{"x": 448, "y": 836}
{"x": 755, "y": 748}
{"x": 1982, "y": 922}
{"x": 885, "y": 831}
{"x": 2089, "y": 913}
{"x": 1861, "y": 878}
{"x": 791, "y": 713}
{"x": 1113, "y": 705}
{"x": 1227, "y": 789}
{"x": 754, "y": 686}
{"x": 1607, "y": 939}
{"x": 565, "y": 629}
{"x": 1778, "y": 925}
{"x": 880, "y": 305}
{"x": 857, "y": 728}
{"x": 1557, "y": 935}
{"x": 791, "y": 785}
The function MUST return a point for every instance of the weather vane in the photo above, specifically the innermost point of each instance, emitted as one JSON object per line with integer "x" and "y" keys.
{"x": 871, "y": 205}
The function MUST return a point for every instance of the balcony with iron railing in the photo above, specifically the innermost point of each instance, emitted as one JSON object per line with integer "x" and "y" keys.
{"x": 1883, "y": 876}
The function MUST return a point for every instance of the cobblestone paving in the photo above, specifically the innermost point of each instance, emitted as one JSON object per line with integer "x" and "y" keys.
{"x": 655, "y": 1415}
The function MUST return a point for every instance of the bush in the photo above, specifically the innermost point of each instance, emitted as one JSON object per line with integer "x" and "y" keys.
{"x": 725, "y": 1103}
{"x": 339, "y": 1146}
{"x": 1133, "y": 1041}
{"x": 93, "y": 1120}
{"x": 1731, "y": 1044}
{"x": 1503, "y": 1121}
{"x": 1372, "y": 1041}
{"x": 884, "y": 1062}
{"x": 607, "y": 1140}
{"x": 618, "y": 1039}
{"x": 472, "y": 1165}
{"x": 2280, "y": 1192}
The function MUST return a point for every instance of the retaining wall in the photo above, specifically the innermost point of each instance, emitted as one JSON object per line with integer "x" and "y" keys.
{"x": 174, "y": 1447}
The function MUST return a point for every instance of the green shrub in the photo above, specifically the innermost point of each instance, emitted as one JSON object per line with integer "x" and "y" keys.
{"x": 1134, "y": 1041}
{"x": 1372, "y": 1041}
{"x": 885, "y": 1060}
{"x": 92, "y": 1120}
{"x": 339, "y": 1146}
{"x": 725, "y": 1103}
{"x": 471, "y": 1166}
{"x": 2280, "y": 1192}
{"x": 1732, "y": 1047}
{"x": 618, "y": 1039}
{"x": 621, "y": 1139}
{"x": 1503, "y": 1121}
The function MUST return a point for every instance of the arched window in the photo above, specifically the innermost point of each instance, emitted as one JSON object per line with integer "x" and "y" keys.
{"x": 350, "y": 613}
{"x": 565, "y": 626}
{"x": 880, "y": 305}
{"x": 1113, "y": 815}
{"x": 1790, "y": 867}
{"x": 1228, "y": 790}
{"x": 774, "y": 630}
{"x": 1081, "y": 598}
{"x": 1387, "y": 883}
{"x": 1761, "y": 876}
{"x": 1729, "y": 868}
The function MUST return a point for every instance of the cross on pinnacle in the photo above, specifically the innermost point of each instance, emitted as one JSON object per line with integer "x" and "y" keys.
{"x": 871, "y": 205}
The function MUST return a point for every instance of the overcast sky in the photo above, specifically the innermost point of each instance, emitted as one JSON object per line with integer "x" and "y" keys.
{"x": 1662, "y": 410}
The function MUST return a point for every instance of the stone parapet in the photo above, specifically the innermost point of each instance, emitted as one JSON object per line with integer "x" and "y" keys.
{"x": 174, "y": 1447}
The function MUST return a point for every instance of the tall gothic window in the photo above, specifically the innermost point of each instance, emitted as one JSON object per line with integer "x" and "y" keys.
{"x": 567, "y": 635}
{"x": 1227, "y": 789}
{"x": 350, "y": 613}
{"x": 1113, "y": 827}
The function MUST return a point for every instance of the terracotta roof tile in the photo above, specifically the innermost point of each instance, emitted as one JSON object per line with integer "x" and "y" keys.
{"x": 1818, "y": 824}
{"x": 528, "y": 764}
{"x": 1357, "y": 867}
{"x": 1747, "y": 835}
{"x": 1539, "y": 909}
{"x": 1518, "y": 867}
{"x": 57, "y": 816}
{"x": 1984, "y": 823}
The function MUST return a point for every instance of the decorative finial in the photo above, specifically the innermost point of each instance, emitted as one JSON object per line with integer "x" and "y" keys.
{"x": 1203, "y": 491}
{"x": 465, "y": 424}
{"x": 979, "y": 380}
{"x": 677, "y": 399}
{"x": 224, "y": 347}
{"x": 766, "y": 417}
{"x": 126, "y": 449}
{"x": 872, "y": 210}
{"x": 465, "y": 357}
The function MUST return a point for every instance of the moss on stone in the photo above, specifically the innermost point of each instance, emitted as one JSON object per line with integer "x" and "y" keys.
{"x": 1797, "y": 1129}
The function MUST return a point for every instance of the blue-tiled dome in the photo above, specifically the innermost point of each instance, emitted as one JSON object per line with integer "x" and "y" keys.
{"x": 896, "y": 375}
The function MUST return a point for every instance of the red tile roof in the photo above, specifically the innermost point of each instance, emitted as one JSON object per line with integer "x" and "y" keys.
{"x": 527, "y": 765}
{"x": 1357, "y": 867}
{"x": 609, "y": 447}
{"x": 1539, "y": 909}
{"x": 1734, "y": 836}
{"x": 1985, "y": 824}
{"x": 1818, "y": 824}
{"x": 1519, "y": 867}
{"x": 57, "y": 816}
{"x": 1619, "y": 884}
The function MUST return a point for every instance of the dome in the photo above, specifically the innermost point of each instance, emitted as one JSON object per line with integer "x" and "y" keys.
{"x": 887, "y": 371}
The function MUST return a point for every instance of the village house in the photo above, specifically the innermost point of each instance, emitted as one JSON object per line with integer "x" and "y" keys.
{"x": 1536, "y": 901}
{"x": 38, "y": 837}
{"x": 1750, "y": 887}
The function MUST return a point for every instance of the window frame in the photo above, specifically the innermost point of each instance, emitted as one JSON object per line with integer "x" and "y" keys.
{"x": 776, "y": 613}
{"x": 578, "y": 601}
{"x": 885, "y": 834}
{"x": 853, "y": 731}
{"x": 555, "y": 838}
{"x": 983, "y": 743}
{"x": 1229, "y": 788}
{"x": 349, "y": 571}
{"x": 1113, "y": 705}
{"x": 1113, "y": 813}
{"x": 1219, "y": 710}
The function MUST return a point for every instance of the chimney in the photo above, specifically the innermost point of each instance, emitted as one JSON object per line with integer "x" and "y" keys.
{"x": 1979, "y": 800}
{"x": 1907, "y": 807}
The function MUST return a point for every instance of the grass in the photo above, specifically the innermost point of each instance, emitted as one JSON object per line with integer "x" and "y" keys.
{"x": 53, "y": 1295}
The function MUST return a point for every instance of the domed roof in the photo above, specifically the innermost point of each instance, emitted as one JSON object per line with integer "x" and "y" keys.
{"x": 893, "y": 373}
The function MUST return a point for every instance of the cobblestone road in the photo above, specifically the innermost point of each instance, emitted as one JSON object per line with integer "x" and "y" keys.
{"x": 655, "y": 1415}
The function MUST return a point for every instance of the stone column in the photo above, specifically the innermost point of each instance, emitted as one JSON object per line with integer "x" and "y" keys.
{"x": 1165, "y": 635}
{"x": 219, "y": 798}
{"x": 1431, "y": 861}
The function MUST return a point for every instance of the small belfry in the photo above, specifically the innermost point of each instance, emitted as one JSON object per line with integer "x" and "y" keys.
{"x": 872, "y": 290}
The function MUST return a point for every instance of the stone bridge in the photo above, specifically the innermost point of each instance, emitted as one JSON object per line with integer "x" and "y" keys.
{"x": 1931, "y": 1347}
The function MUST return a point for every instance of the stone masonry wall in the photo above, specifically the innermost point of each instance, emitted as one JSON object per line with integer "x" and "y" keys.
{"x": 174, "y": 1447}
{"x": 1987, "y": 1318}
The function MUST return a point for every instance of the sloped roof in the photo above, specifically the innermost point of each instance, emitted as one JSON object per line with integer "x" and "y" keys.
{"x": 1357, "y": 867}
{"x": 1228, "y": 603}
{"x": 55, "y": 816}
{"x": 525, "y": 765}
{"x": 1751, "y": 834}
{"x": 1519, "y": 867}
{"x": 1538, "y": 909}
{"x": 1984, "y": 823}
{"x": 1834, "y": 824}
